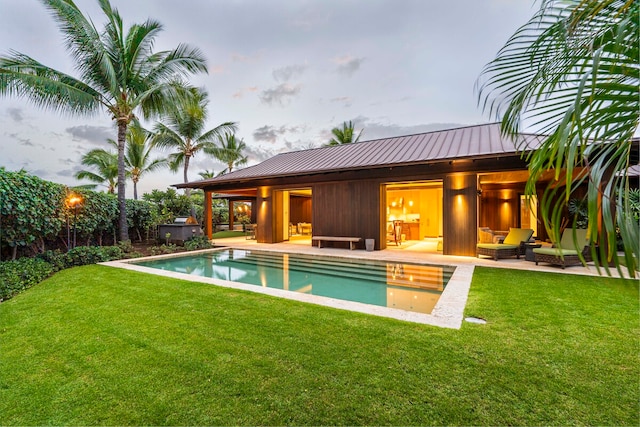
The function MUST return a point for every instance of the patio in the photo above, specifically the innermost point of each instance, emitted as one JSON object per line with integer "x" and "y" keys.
{"x": 418, "y": 252}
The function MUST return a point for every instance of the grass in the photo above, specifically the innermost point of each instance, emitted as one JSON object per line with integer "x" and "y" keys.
{"x": 226, "y": 234}
{"x": 97, "y": 345}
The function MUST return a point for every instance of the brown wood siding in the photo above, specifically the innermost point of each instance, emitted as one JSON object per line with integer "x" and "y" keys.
{"x": 460, "y": 204}
{"x": 500, "y": 206}
{"x": 349, "y": 209}
{"x": 301, "y": 210}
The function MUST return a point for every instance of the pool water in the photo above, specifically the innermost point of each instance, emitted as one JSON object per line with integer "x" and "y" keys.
{"x": 406, "y": 286}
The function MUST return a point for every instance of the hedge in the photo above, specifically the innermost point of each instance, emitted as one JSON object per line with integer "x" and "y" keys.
{"x": 34, "y": 215}
{"x": 16, "y": 276}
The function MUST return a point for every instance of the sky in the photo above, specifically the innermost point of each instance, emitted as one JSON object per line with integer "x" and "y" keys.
{"x": 287, "y": 71}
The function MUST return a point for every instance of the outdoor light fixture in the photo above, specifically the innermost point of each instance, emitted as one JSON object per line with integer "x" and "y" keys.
{"x": 74, "y": 201}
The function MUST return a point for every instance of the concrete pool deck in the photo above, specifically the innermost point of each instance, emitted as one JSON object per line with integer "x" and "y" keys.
{"x": 448, "y": 311}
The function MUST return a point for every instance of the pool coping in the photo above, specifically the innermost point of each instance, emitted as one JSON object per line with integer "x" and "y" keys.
{"x": 447, "y": 313}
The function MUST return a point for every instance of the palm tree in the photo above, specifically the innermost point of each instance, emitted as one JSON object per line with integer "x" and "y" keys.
{"x": 344, "y": 135}
{"x": 137, "y": 157}
{"x": 118, "y": 72}
{"x": 572, "y": 71}
{"x": 207, "y": 174}
{"x": 229, "y": 151}
{"x": 105, "y": 165}
{"x": 184, "y": 131}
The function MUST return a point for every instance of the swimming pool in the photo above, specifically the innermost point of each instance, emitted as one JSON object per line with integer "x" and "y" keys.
{"x": 405, "y": 286}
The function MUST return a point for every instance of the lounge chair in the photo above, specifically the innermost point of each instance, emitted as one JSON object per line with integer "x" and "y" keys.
{"x": 568, "y": 251}
{"x": 512, "y": 245}
{"x": 394, "y": 232}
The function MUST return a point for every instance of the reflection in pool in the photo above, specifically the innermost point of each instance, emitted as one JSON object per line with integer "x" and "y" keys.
{"x": 406, "y": 286}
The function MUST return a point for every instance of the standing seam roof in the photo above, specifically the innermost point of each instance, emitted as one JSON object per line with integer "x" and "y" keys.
{"x": 464, "y": 142}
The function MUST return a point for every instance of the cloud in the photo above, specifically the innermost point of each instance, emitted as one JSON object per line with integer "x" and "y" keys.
{"x": 24, "y": 141}
{"x": 280, "y": 95}
{"x": 259, "y": 153}
{"x": 266, "y": 133}
{"x": 271, "y": 133}
{"x": 238, "y": 57}
{"x": 68, "y": 162}
{"x": 240, "y": 93}
{"x": 67, "y": 173}
{"x": 301, "y": 145}
{"x": 374, "y": 129}
{"x": 16, "y": 114}
{"x": 97, "y": 135}
{"x": 285, "y": 74}
{"x": 345, "y": 100}
{"x": 200, "y": 164}
{"x": 391, "y": 101}
{"x": 216, "y": 69}
{"x": 347, "y": 65}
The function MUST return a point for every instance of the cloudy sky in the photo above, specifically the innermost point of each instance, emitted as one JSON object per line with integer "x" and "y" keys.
{"x": 287, "y": 71}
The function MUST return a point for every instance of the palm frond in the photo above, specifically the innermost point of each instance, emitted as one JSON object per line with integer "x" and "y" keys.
{"x": 167, "y": 138}
{"x": 218, "y": 131}
{"x": 175, "y": 161}
{"x": 23, "y": 76}
{"x": 573, "y": 72}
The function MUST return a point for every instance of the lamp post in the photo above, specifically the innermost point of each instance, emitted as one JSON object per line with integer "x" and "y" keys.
{"x": 74, "y": 201}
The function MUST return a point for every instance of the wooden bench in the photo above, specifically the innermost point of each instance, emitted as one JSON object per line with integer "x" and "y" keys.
{"x": 321, "y": 239}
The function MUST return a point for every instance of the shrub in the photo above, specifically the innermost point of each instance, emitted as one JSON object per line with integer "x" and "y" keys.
{"x": 16, "y": 276}
{"x": 128, "y": 251}
{"x": 163, "y": 249}
{"x": 56, "y": 259}
{"x": 199, "y": 242}
{"x": 82, "y": 255}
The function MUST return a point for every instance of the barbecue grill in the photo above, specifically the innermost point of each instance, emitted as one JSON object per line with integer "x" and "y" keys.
{"x": 183, "y": 228}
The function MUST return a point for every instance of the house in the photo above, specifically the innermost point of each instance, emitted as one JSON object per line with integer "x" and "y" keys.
{"x": 441, "y": 185}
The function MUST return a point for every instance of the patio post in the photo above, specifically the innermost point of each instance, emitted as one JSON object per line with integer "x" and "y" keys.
{"x": 230, "y": 214}
{"x": 208, "y": 215}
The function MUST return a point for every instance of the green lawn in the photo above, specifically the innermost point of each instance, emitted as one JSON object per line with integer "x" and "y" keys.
{"x": 226, "y": 234}
{"x": 97, "y": 345}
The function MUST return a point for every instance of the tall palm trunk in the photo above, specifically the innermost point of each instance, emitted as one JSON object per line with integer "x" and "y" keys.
{"x": 187, "y": 191}
{"x": 135, "y": 188}
{"x": 122, "y": 201}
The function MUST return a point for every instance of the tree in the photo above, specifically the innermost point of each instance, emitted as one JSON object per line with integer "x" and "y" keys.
{"x": 105, "y": 165}
{"x": 344, "y": 135}
{"x": 138, "y": 156}
{"x": 185, "y": 134}
{"x": 184, "y": 131}
{"x": 170, "y": 203}
{"x": 207, "y": 174}
{"x": 572, "y": 72}
{"x": 229, "y": 151}
{"x": 118, "y": 72}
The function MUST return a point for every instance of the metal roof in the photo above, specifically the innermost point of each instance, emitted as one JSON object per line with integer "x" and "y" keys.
{"x": 465, "y": 142}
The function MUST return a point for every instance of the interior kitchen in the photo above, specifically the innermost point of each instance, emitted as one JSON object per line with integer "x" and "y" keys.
{"x": 416, "y": 208}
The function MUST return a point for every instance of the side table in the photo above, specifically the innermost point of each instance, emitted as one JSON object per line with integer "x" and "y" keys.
{"x": 528, "y": 253}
